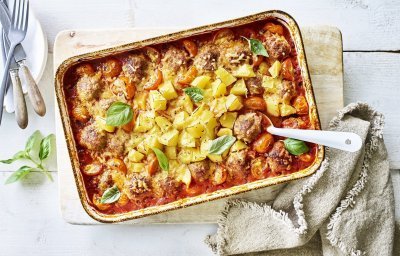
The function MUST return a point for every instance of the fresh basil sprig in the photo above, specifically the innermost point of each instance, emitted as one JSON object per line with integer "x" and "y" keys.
{"x": 257, "y": 47}
{"x": 195, "y": 93}
{"x": 220, "y": 144}
{"x": 295, "y": 147}
{"x": 19, "y": 174}
{"x": 162, "y": 159}
{"x": 30, "y": 154}
{"x": 118, "y": 114}
{"x": 110, "y": 195}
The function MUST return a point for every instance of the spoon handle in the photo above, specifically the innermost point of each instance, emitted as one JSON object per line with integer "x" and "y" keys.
{"x": 347, "y": 141}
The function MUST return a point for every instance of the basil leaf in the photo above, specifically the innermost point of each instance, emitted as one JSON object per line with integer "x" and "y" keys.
{"x": 295, "y": 147}
{"x": 257, "y": 47}
{"x": 31, "y": 141}
{"x": 219, "y": 145}
{"x": 19, "y": 174}
{"x": 119, "y": 114}
{"x": 45, "y": 147}
{"x": 195, "y": 93}
{"x": 17, "y": 156}
{"x": 110, "y": 195}
{"x": 162, "y": 159}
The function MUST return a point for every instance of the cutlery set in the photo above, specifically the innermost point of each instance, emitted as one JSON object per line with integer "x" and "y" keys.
{"x": 15, "y": 26}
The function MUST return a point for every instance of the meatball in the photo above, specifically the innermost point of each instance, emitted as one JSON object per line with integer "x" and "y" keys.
{"x": 104, "y": 104}
{"x": 174, "y": 59}
{"x": 279, "y": 160}
{"x": 135, "y": 66}
{"x": 288, "y": 91}
{"x": 116, "y": 142}
{"x": 136, "y": 185}
{"x": 237, "y": 164}
{"x": 200, "y": 170}
{"x": 238, "y": 53}
{"x": 93, "y": 138}
{"x": 276, "y": 45}
{"x": 89, "y": 87}
{"x": 207, "y": 58}
{"x": 247, "y": 127}
{"x": 254, "y": 85}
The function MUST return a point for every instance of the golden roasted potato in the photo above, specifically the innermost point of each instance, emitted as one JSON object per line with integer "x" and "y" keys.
{"x": 226, "y": 77}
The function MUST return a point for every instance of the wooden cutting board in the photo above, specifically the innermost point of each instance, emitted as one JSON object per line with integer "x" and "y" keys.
{"x": 323, "y": 46}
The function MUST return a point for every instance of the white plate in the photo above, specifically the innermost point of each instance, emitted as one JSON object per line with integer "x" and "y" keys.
{"x": 35, "y": 46}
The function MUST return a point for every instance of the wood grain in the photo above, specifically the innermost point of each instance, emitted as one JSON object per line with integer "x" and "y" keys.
{"x": 324, "y": 51}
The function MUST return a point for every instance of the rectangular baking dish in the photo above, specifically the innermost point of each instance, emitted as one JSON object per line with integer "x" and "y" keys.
{"x": 294, "y": 30}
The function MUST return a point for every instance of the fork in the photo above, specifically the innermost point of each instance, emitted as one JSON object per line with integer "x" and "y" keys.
{"x": 16, "y": 34}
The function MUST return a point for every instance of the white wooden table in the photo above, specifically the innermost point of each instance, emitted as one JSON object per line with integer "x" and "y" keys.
{"x": 30, "y": 221}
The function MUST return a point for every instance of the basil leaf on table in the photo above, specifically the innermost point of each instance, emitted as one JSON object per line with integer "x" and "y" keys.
{"x": 162, "y": 159}
{"x": 110, "y": 195}
{"x": 219, "y": 145}
{"x": 45, "y": 147}
{"x": 295, "y": 147}
{"x": 17, "y": 156}
{"x": 118, "y": 114}
{"x": 195, "y": 93}
{"x": 19, "y": 174}
{"x": 257, "y": 47}
{"x": 31, "y": 141}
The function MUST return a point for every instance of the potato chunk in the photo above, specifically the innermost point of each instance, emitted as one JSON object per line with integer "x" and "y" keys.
{"x": 233, "y": 102}
{"x": 144, "y": 121}
{"x": 180, "y": 120}
{"x": 272, "y": 102}
{"x": 167, "y": 90}
{"x": 286, "y": 110}
{"x": 196, "y": 130}
{"x": 228, "y": 119}
{"x": 157, "y": 101}
{"x": 275, "y": 69}
{"x": 218, "y": 88}
{"x": 163, "y": 123}
{"x": 186, "y": 140}
{"x": 226, "y": 77}
{"x": 135, "y": 156}
{"x": 169, "y": 138}
{"x": 201, "y": 82}
{"x": 170, "y": 152}
{"x": 239, "y": 88}
{"x": 101, "y": 123}
{"x": 245, "y": 70}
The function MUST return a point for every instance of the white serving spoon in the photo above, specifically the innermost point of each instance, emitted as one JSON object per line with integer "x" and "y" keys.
{"x": 347, "y": 141}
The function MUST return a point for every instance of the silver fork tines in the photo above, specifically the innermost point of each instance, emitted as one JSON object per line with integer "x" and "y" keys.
{"x": 16, "y": 34}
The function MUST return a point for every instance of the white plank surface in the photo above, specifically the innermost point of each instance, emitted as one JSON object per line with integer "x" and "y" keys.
{"x": 30, "y": 221}
{"x": 375, "y": 78}
{"x": 366, "y": 24}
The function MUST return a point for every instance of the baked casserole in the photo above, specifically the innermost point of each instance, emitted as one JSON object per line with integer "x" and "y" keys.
{"x": 169, "y": 121}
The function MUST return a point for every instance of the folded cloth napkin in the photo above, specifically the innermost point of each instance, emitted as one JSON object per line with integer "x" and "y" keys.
{"x": 345, "y": 208}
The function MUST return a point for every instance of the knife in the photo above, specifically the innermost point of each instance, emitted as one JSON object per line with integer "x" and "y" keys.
{"x": 21, "y": 114}
{"x": 20, "y": 56}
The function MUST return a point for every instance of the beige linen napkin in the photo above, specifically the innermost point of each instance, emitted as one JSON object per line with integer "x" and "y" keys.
{"x": 345, "y": 208}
